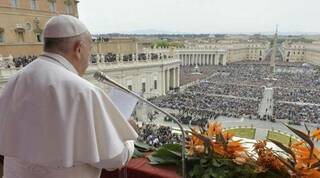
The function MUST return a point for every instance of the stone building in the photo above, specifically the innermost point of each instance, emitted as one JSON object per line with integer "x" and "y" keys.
{"x": 294, "y": 52}
{"x": 302, "y": 52}
{"x": 219, "y": 53}
{"x": 21, "y": 26}
{"x": 22, "y": 23}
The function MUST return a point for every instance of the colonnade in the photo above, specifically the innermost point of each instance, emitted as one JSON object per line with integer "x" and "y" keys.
{"x": 170, "y": 79}
{"x": 202, "y": 59}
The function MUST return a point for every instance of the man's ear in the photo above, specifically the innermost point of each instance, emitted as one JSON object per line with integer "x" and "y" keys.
{"x": 77, "y": 49}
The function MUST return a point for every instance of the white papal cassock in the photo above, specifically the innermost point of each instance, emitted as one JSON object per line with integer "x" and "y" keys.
{"x": 55, "y": 124}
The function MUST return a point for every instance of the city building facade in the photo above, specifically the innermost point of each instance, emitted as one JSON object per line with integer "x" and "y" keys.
{"x": 22, "y": 23}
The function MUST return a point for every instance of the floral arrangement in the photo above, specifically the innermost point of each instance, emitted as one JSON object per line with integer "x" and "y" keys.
{"x": 214, "y": 153}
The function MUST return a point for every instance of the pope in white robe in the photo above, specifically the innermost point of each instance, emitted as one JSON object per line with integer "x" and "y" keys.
{"x": 55, "y": 124}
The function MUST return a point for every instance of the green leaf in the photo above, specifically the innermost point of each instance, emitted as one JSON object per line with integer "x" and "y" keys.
{"x": 302, "y": 135}
{"x": 137, "y": 154}
{"x": 161, "y": 161}
{"x": 204, "y": 162}
{"x": 221, "y": 140}
{"x": 167, "y": 154}
{"x": 175, "y": 153}
{"x": 286, "y": 163}
{"x": 305, "y": 137}
{"x": 197, "y": 171}
{"x": 307, "y": 129}
{"x": 173, "y": 147}
{"x": 143, "y": 147}
{"x": 215, "y": 163}
{"x": 168, "y": 150}
{"x": 284, "y": 148}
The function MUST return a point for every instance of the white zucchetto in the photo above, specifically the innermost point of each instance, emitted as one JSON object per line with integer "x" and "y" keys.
{"x": 64, "y": 26}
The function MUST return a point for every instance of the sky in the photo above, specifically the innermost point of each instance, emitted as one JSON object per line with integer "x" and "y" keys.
{"x": 200, "y": 16}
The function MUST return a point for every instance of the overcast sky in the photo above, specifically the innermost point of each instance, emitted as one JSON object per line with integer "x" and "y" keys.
{"x": 200, "y": 16}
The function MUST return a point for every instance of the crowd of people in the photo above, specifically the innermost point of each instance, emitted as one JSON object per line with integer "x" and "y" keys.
{"x": 18, "y": 62}
{"x": 297, "y": 113}
{"x": 302, "y": 95}
{"x": 157, "y": 135}
{"x": 258, "y": 74}
{"x": 232, "y": 89}
{"x": 187, "y": 75}
{"x": 235, "y": 90}
{"x": 22, "y": 61}
{"x": 199, "y": 106}
{"x": 111, "y": 57}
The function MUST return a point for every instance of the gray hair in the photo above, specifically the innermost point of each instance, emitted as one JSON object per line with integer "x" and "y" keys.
{"x": 63, "y": 45}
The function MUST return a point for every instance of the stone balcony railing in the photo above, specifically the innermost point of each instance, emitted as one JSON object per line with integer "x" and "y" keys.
{"x": 131, "y": 64}
{"x": 6, "y": 72}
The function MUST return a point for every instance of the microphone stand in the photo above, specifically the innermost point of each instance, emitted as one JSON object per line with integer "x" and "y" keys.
{"x": 100, "y": 76}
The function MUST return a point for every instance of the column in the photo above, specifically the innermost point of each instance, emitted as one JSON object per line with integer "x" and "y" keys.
{"x": 205, "y": 59}
{"x": 192, "y": 59}
{"x": 216, "y": 59}
{"x": 181, "y": 59}
{"x": 187, "y": 60}
{"x": 213, "y": 59}
{"x": 98, "y": 58}
{"x": 178, "y": 77}
{"x": 174, "y": 78}
{"x": 168, "y": 80}
{"x": 121, "y": 57}
{"x": 163, "y": 83}
{"x": 224, "y": 60}
{"x": 197, "y": 58}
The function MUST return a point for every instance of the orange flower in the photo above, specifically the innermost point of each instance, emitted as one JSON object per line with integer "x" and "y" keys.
{"x": 214, "y": 128}
{"x": 260, "y": 169}
{"x": 218, "y": 148}
{"x": 232, "y": 150}
{"x": 297, "y": 144}
{"x": 196, "y": 141}
{"x": 240, "y": 160}
{"x": 266, "y": 159}
{"x": 316, "y": 134}
{"x": 199, "y": 149}
{"x": 195, "y": 145}
{"x": 235, "y": 147}
{"x": 308, "y": 173}
{"x": 228, "y": 135}
{"x": 261, "y": 144}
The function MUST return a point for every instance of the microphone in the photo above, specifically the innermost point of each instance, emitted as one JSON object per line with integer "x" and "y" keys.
{"x": 103, "y": 78}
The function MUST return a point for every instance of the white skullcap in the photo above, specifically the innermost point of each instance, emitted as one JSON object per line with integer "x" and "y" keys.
{"x": 63, "y": 26}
